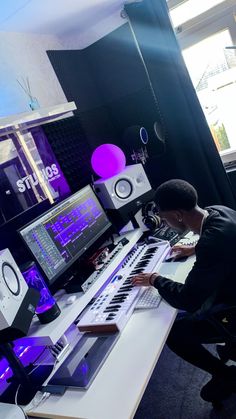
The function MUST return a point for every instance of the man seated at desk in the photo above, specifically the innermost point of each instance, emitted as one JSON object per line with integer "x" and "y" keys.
{"x": 211, "y": 282}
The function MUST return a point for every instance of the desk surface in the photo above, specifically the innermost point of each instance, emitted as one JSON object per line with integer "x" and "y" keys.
{"x": 132, "y": 361}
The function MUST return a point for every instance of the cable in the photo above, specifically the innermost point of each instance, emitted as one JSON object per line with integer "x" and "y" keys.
{"x": 41, "y": 353}
{"x": 44, "y": 395}
{"x": 35, "y": 368}
{"x": 17, "y": 391}
{"x": 25, "y": 414}
{"x": 38, "y": 398}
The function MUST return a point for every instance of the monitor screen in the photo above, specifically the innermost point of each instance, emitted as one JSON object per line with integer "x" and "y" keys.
{"x": 61, "y": 235}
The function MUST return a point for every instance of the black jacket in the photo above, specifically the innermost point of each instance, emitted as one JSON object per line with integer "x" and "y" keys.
{"x": 212, "y": 279}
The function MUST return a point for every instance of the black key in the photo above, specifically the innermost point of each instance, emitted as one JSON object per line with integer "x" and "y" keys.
{"x": 120, "y": 300}
{"x": 141, "y": 265}
{"x": 110, "y": 316}
{"x": 127, "y": 289}
{"x": 114, "y": 306}
{"x": 137, "y": 271}
{"x": 117, "y": 298}
{"x": 110, "y": 310}
{"x": 150, "y": 252}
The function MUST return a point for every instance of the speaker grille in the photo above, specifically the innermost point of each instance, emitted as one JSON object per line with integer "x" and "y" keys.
{"x": 123, "y": 188}
{"x": 10, "y": 278}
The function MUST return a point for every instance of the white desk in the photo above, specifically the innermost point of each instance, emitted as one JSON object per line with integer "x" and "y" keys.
{"x": 119, "y": 386}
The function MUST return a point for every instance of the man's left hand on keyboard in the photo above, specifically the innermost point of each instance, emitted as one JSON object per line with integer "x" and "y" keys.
{"x": 144, "y": 279}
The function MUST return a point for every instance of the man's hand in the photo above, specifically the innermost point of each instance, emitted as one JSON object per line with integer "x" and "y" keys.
{"x": 180, "y": 251}
{"x": 144, "y": 280}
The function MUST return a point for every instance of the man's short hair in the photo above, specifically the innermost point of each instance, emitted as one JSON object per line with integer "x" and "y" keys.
{"x": 176, "y": 194}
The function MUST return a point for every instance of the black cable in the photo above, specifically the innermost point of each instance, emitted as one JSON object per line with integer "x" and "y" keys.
{"x": 41, "y": 353}
{"x": 25, "y": 414}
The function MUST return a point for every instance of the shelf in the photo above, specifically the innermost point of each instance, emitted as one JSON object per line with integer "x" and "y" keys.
{"x": 31, "y": 119}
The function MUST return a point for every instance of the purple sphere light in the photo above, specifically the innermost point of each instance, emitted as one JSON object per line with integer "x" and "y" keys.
{"x": 108, "y": 160}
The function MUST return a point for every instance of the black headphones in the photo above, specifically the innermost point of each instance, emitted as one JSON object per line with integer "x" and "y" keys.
{"x": 150, "y": 216}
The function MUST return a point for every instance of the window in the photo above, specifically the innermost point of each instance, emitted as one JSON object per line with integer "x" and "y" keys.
{"x": 213, "y": 72}
{"x": 207, "y": 28}
{"x": 191, "y": 8}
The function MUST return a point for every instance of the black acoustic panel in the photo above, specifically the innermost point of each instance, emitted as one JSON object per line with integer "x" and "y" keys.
{"x": 115, "y": 65}
{"x": 99, "y": 126}
{"x": 75, "y": 78}
{"x": 139, "y": 109}
{"x": 112, "y": 95}
{"x": 79, "y": 85}
{"x": 71, "y": 149}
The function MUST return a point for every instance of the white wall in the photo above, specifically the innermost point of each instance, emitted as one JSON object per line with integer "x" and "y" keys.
{"x": 93, "y": 33}
{"x": 25, "y": 55}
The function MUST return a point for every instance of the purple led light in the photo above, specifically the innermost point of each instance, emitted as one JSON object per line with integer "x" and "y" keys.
{"x": 45, "y": 307}
{"x": 26, "y": 354}
{"x": 108, "y": 160}
{"x": 35, "y": 280}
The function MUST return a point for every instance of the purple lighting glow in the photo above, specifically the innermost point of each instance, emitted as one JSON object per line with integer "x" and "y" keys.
{"x": 35, "y": 280}
{"x": 108, "y": 160}
{"x": 26, "y": 354}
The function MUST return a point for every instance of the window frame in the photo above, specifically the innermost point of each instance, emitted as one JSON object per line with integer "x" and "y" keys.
{"x": 214, "y": 20}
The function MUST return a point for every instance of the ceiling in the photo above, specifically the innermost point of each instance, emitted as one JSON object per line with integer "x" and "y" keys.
{"x": 55, "y": 16}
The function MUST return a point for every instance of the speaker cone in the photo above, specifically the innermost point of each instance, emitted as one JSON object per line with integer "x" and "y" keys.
{"x": 11, "y": 278}
{"x": 123, "y": 188}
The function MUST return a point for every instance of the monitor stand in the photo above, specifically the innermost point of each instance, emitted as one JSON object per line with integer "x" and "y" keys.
{"x": 83, "y": 363}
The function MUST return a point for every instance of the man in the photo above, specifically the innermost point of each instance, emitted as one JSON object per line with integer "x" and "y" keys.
{"x": 210, "y": 284}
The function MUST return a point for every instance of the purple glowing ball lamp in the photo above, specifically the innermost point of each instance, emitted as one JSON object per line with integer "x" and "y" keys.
{"x": 108, "y": 160}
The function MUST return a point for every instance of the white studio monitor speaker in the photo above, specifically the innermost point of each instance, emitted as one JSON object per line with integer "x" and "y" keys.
{"x": 123, "y": 188}
{"x": 17, "y": 300}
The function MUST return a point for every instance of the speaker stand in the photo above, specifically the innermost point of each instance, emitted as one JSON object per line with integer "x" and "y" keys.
{"x": 134, "y": 221}
{"x": 23, "y": 385}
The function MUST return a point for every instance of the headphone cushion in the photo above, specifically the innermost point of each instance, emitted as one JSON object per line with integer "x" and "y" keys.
{"x": 152, "y": 222}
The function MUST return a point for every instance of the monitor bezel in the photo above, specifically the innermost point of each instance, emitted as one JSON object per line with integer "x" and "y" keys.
{"x": 108, "y": 225}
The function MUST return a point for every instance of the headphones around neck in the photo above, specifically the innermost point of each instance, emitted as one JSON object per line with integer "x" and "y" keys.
{"x": 150, "y": 216}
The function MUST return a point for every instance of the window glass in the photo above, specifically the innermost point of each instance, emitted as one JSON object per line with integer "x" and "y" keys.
{"x": 190, "y": 9}
{"x": 212, "y": 69}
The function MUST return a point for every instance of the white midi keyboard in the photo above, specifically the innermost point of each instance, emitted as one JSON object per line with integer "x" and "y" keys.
{"x": 116, "y": 302}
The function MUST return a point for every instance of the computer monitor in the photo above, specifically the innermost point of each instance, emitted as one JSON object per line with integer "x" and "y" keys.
{"x": 61, "y": 235}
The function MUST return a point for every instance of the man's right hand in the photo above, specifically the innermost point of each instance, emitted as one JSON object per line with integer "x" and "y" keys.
{"x": 181, "y": 250}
